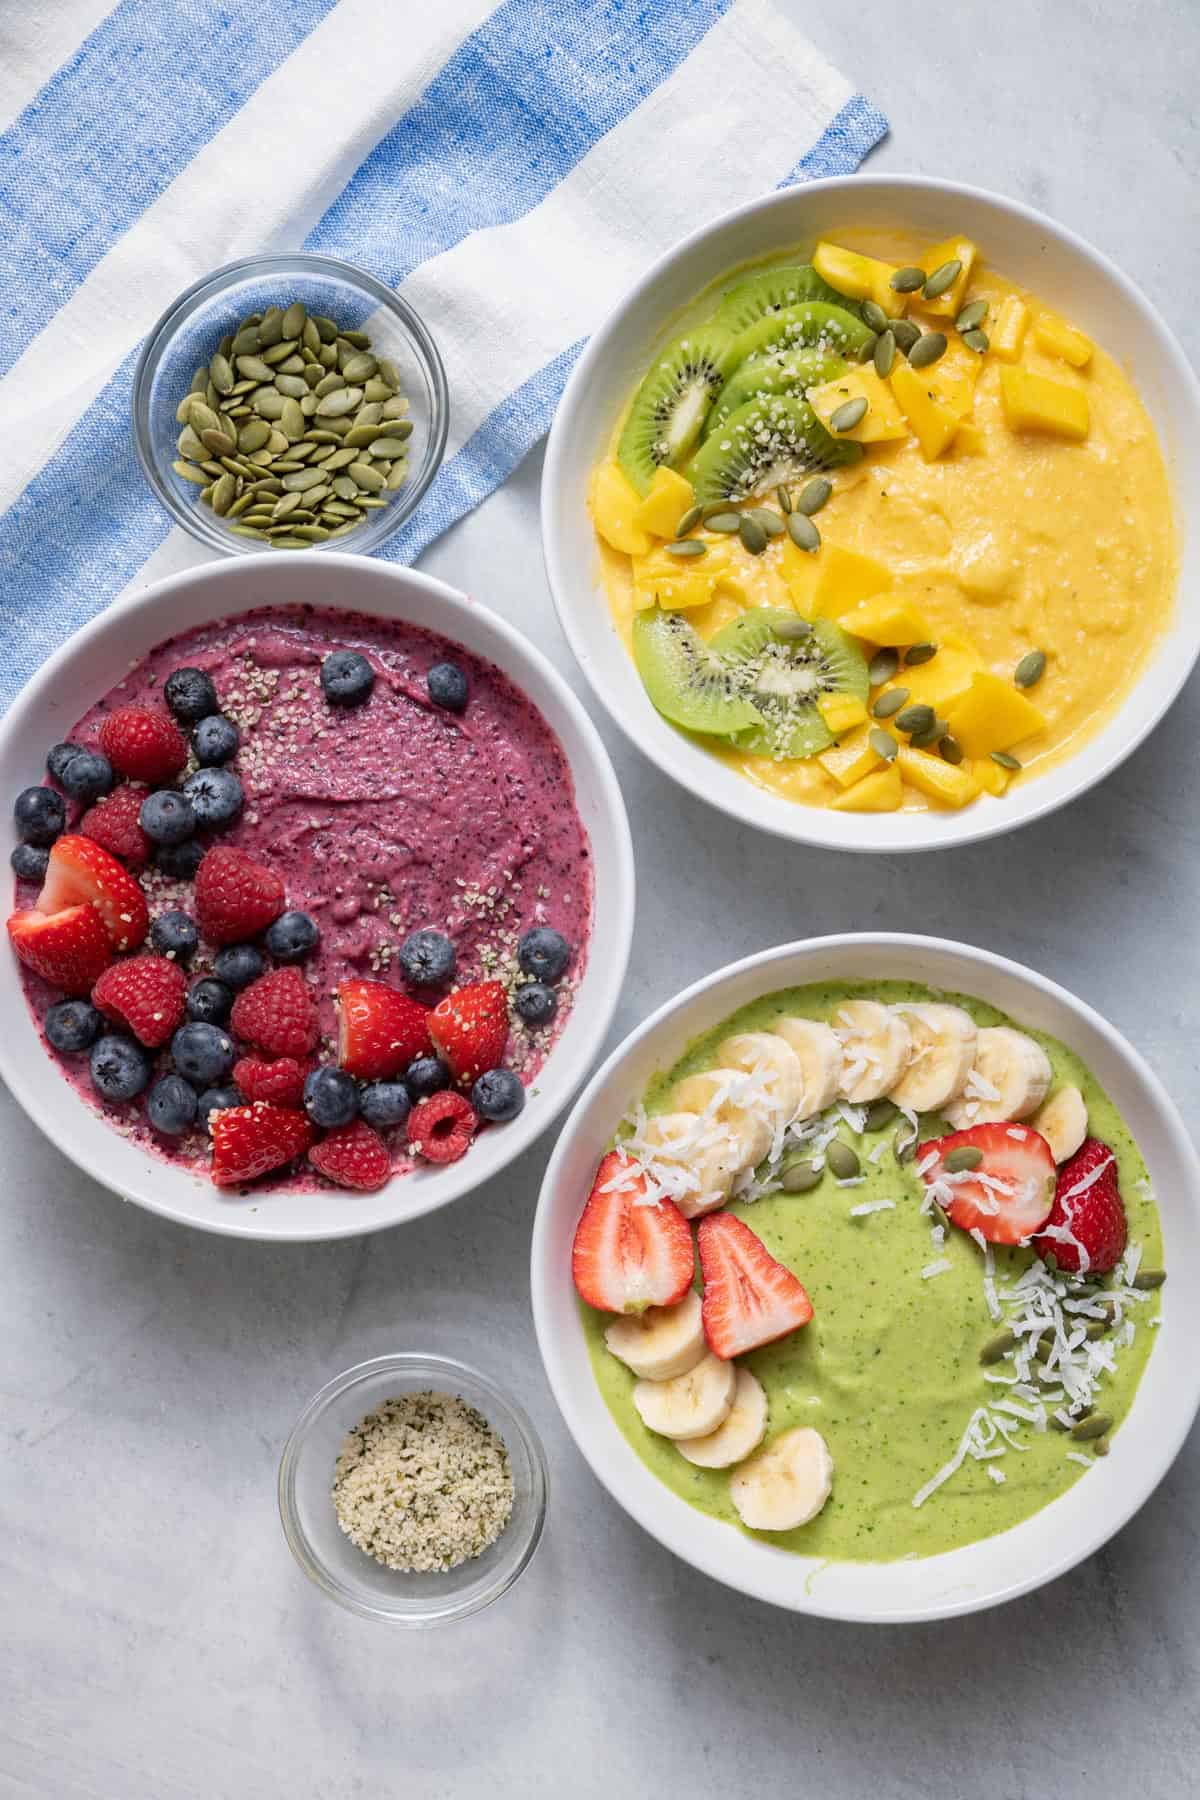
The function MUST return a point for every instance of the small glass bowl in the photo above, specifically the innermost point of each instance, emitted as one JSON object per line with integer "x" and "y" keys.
{"x": 187, "y": 335}
{"x": 346, "y": 1573}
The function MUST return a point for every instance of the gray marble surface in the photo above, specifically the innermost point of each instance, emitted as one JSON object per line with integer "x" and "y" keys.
{"x": 158, "y": 1642}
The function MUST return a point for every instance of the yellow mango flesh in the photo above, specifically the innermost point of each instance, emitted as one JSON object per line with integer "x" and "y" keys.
{"x": 882, "y": 420}
{"x": 990, "y": 776}
{"x": 941, "y": 681}
{"x": 679, "y": 583}
{"x": 934, "y": 423}
{"x": 613, "y": 504}
{"x": 1057, "y": 338}
{"x": 669, "y": 498}
{"x": 938, "y": 780}
{"x": 850, "y": 760}
{"x": 993, "y": 715}
{"x": 860, "y": 277}
{"x": 844, "y": 578}
{"x": 1035, "y": 403}
{"x": 882, "y": 791}
{"x": 1006, "y": 331}
{"x": 886, "y": 619}
{"x": 949, "y": 304}
{"x": 841, "y": 712}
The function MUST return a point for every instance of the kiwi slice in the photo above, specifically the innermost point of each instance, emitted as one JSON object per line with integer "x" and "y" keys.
{"x": 774, "y": 290}
{"x": 686, "y": 682}
{"x": 793, "y": 374}
{"x": 785, "y": 675}
{"x": 670, "y": 407}
{"x": 811, "y": 326}
{"x": 771, "y": 439}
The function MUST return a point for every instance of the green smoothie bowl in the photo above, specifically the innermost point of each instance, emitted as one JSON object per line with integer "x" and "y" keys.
{"x": 850, "y": 1276}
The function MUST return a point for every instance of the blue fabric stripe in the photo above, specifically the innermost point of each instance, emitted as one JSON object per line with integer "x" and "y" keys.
{"x": 103, "y": 139}
{"x": 850, "y": 134}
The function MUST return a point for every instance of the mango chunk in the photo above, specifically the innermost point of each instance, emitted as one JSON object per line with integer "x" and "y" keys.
{"x": 844, "y": 578}
{"x": 1035, "y": 403}
{"x": 850, "y": 760}
{"x": 841, "y": 712}
{"x": 800, "y": 571}
{"x": 882, "y": 420}
{"x": 954, "y": 375}
{"x": 993, "y": 715}
{"x": 969, "y": 439}
{"x": 613, "y": 504}
{"x": 877, "y": 793}
{"x": 669, "y": 497}
{"x": 933, "y": 421}
{"x": 945, "y": 678}
{"x": 1006, "y": 332}
{"x": 677, "y": 583}
{"x": 1057, "y": 338}
{"x": 949, "y": 304}
{"x": 890, "y": 619}
{"x": 860, "y": 277}
{"x": 936, "y": 779}
{"x": 990, "y": 776}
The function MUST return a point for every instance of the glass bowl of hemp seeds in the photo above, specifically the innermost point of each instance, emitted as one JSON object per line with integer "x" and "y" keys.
{"x": 413, "y": 1490}
{"x": 287, "y": 403}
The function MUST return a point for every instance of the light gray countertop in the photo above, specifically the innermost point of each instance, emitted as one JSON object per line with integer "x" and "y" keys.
{"x": 158, "y": 1642}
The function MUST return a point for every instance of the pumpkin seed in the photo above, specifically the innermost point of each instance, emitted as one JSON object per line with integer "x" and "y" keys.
{"x": 907, "y": 280}
{"x": 1030, "y": 669}
{"x": 799, "y": 1177}
{"x": 849, "y": 414}
{"x": 691, "y": 517}
{"x": 1146, "y": 1280}
{"x": 752, "y": 534}
{"x": 190, "y": 472}
{"x": 292, "y": 322}
{"x": 371, "y": 413}
{"x": 253, "y": 435}
{"x": 327, "y": 357}
{"x": 397, "y": 406}
{"x": 996, "y": 1347}
{"x": 802, "y": 531}
{"x": 345, "y": 487}
{"x": 291, "y": 421}
{"x": 1094, "y": 1426}
{"x": 784, "y": 497}
{"x": 308, "y": 405}
{"x": 359, "y": 436}
{"x": 296, "y": 481}
{"x": 685, "y": 547}
{"x": 890, "y": 703}
{"x": 842, "y": 1161}
{"x": 1100, "y": 1447}
{"x": 971, "y": 315}
{"x": 242, "y": 504}
{"x": 943, "y": 277}
{"x": 951, "y": 750}
{"x": 255, "y": 369}
{"x": 270, "y": 326}
{"x": 885, "y": 354}
{"x": 287, "y": 503}
{"x": 723, "y": 521}
{"x": 335, "y": 405}
{"x": 366, "y": 476}
{"x": 963, "y": 1157}
{"x": 370, "y": 500}
{"x": 388, "y": 449}
{"x": 199, "y": 381}
{"x": 1005, "y": 760}
{"x": 879, "y": 1114}
{"x": 183, "y": 411}
{"x": 359, "y": 368}
{"x": 313, "y": 534}
{"x": 866, "y": 349}
{"x": 792, "y": 630}
{"x": 905, "y": 334}
{"x": 326, "y": 328}
{"x": 915, "y": 718}
{"x": 874, "y": 316}
{"x": 294, "y": 386}
{"x": 770, "y": 521}
{"x": 927, "y": 349}
{"x": 978, "y": 341}
{"x": 904, "y": 1144}
{"x": 223, "y": 493}
{"x": 813, "y": 495}
{"x": 919, "y": 653}
{"x": 342, "y": 458}
{"x": 358, "y": 340}
{"x": 932, "y": 734}
{"x": 375, "y": 389}
{"x": 329, "y": 384}
{"x": 398, "y": 474}
{"x": 245, "y": 341}
{"x": 269, "y": 403}
{"x": 219, "y": 442}
{"x": 882, "y": 667}
{"x": 279, "y": 353}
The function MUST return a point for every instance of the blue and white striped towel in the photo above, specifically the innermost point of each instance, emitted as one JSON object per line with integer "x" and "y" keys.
{"x": 511, "y": 169}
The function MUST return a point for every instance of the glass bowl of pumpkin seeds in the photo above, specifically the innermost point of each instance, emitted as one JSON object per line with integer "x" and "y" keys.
{"x": 290, "y": 401}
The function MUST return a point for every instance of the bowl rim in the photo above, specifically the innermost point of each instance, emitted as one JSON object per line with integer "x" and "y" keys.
{"x": 175, "y": 315}
{"x": 641, "y": 1495}
{"x": 21, "y": 720}
{"x": 456, "y": 1374}
{"x": 802, "y": 824}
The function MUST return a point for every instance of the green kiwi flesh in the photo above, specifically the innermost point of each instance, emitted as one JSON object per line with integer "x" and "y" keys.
{"x": 811, "y": 326}
{"x": 684, "y": 680}
{"x": 793, "y": 374}
{"x": 669, "y": 409}
{"x": 774, "y": 290}
{"x": 784, "y": 677}
{"x": 771, "y": 439}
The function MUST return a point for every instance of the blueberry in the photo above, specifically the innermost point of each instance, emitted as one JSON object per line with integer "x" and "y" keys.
{"x": 174, "y": 934}
{"x": 292, "y": 937}
{"x": 209, "y": 1002}
{"x": 535, "y": 1003}
{"x": 30, "y": 862}
{"x": 239, "y": 964}
{"x": 447, "y": 687}
{"x": 59, "y": 757}
{"x": 385, "y": 1103}
{"x": 346, "y": 678}
{"x": 179, "y": 861}
{"x": 498, "y": 1096}
{"x": 428, "y": 1075}
{"x": 171, "y": 1105}
{"x": 215, "y": 740}
{"x": 215, "y": 1099}
{"x": 73, "y": 1025}
{"x": 41, "y": 815}
{"x": 190, "y": 695}
{"x": 167, "y": 817}
{"x": 203, "y": 1053}
{"x": 427, "y": 959}
{"x": 215, "y": 795}
{"x": 120, "y": 1068}
{"x": 84, "y": 774}
{"x": 543, "y": 953}
{"x": 330, "y": 1098}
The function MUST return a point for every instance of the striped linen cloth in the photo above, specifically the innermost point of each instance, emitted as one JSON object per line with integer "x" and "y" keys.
{"x": 509, "y": 169}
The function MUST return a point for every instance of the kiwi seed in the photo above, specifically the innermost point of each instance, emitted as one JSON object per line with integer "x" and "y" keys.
{"x": 959, "y": 1160}
{"x": 879, "y": 1114}
{"x": 724, "y": 521}
{"x": 803, "y": 532}
{"x": 883, "y": 743}
{"x": 907, "y": 280}
{"x": 690, "y": 519}
{"x": 885, "y": 354}
{"x": 752, "y": 534}
{"x": 1030, "y": 669}
{"x": 784, "y": 497}
{"x": 882, "y": 667}
{"x": 996, "y": 1346}
{"x": 799, "y": 1177}
{"x": 919, "y": 653}
{"x": 842, "y": 1160}
{"x": 952, "y": 750}
{"x": 685, "y": 547}
{"x": 887, "y": 704}
{"x": 905, "y": 333}
{"x": 1005, "y": 760}
{"x": 1146, "y": 1280}
{"x": 915, "y": 719}
{"x": 943, "y": 278}
{"x": 976, "y": 340}
{"x": 813, "y": 495}
{"x": 971, "y": 316}
{"x": 927, "y": 349}
{"x": 874, "y": 316}
{"x": 1094, "y": 1426}
{"x": 849, "y": 414}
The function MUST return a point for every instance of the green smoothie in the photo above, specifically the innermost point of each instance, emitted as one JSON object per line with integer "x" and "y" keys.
{"x": 888, "y": 1370}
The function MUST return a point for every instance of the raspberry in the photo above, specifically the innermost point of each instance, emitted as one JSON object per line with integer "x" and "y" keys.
{"x": 145, "y": 994}
{"x": 236, "y": 897}
{"x": 113, "y": 822}
{"x": 280, "y": 1082}
{"x": 353, "y": 1156}
{"x": 441, "y": 1128}
{"x": 277, "y": 1014}
{"x": 143, "y": 744}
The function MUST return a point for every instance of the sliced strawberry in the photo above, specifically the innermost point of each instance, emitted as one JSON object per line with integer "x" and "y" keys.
{"x": 749, "y": 1298}
{"x": 628, "y": 1254}
{"x": 1087, "y": 1230}
{"x": 114, "y": 821}
{"x": 146, "y": 994}
{"x": 236, "y": 897}
{"x": 248, "y": 1141}
{"x": 81, "y": 870}
{"x": 380, "y": 1030}
{"x": 277, "y": 1014}
{"x": 469, "y": 1029}
{"x": 353, "y": 1156}
{"x": 281, "y": 1082}
{"x": 441, "y": 1128}
{"x": 1007, "y": 1194}
{"x": 144, "y": 744}
{"x": 69, "y": 949}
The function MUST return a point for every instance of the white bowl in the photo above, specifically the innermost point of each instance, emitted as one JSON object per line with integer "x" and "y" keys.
{"x": 1024, "y": 245}
{"x": 99, "y": 655}
{"x": 980, "y": 1574}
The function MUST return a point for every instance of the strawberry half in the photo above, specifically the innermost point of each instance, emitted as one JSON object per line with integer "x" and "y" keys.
{"x": 115, "y": 822}
{"x": 749, "y": 1297}
{"x": 281, "y": 1082}
{"x": 69, "y": 949}
{"x": 628, "y": 1254}
{"x": 249, "y": 1141}
{"x": 144, "y": 744}
{"x": 146, "y": 994}
{"x": 1087, "y": 1228}
{"x": 1007, "y": 1195}
{"x": 469, "y": 1029}
{"x": 80, "y": 870}
{"x": 380, "y": 1030}
{"x": 236, "y": 897}
{"x": 278, "y": 1014}
{"x": 353, "y": 1156}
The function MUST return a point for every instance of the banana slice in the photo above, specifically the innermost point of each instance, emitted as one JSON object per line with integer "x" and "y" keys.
{"x": 725, "y": 1096}
{"x": 773, "y": 1061}
{"x": 1009, "y": 1079}
{"x": 819, "y": 1053}
{"x": 876, "y": 1044}
{"x": 696, "y": 1160}
{"x": 786, "y": 1484}
{"x": 943, "y": 1053}
{"x": 1063, "y": 1122}
{"x": 662, "y": 1342}
{"x": 691, "y": 1405}
{"x": 742, "y": 1432}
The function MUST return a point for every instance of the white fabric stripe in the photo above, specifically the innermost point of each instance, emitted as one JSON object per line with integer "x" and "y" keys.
{"x": 211, "y": 214}
{"x": 36, "y": 38}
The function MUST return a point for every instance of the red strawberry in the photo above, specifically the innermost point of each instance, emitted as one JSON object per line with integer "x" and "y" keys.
{"x": 69, "y": 949}
{"x": 441, "y": 1128}
{"x": 380, "y": 1030}
{"x": 113, "y": 822}
{"x": 749, "y": 1298}
{"x": 280, "y": 1082}
{"x": 1086, "y": 1229}
{"x": 236, "y": 897}
{"x": 143, "y": 744}
{"x": 250, "y": 1140}
{"x": 145, "y": 994}
{"x": 82, "y": 870}
{"x": 1006, "y": 1194}
{"x": 469, "y": 1029}
{"x": 277, "y": 1014}
{"x": 628, "y": 1255}
{"x": 354, "y": 1156}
